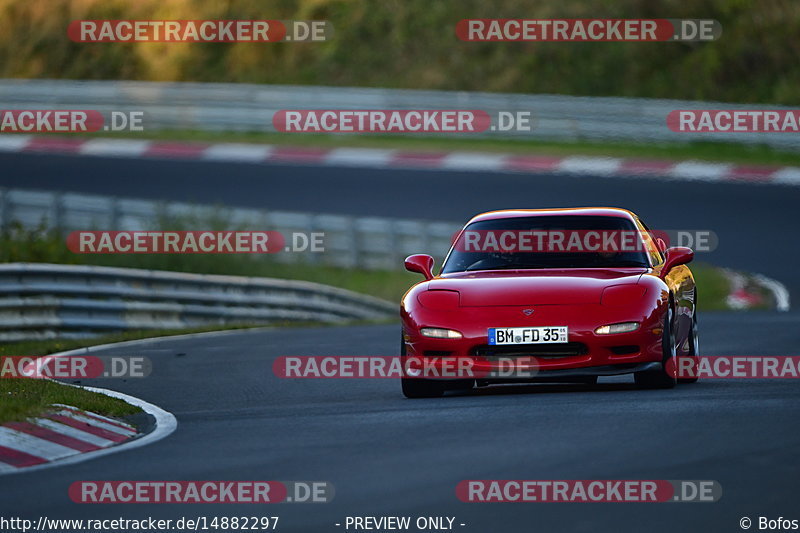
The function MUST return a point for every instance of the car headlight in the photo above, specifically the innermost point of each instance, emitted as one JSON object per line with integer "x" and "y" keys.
{"x": 440, "y": 333}
{"x": 621, "y": 327}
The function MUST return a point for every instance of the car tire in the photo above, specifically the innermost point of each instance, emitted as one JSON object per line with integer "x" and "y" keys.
{"x": 663, "y": 378}
{"x": 419, "y": 388}
{"x": 694, "y": 349}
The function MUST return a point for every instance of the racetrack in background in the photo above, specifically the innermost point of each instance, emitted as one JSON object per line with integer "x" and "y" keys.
{"x": 756, "y": 223}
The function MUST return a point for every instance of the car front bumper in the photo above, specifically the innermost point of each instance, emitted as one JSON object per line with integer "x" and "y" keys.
{"x": 585, "y": 354}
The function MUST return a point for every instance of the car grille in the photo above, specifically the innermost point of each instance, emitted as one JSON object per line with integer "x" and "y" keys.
{"x": 569, "y": 349}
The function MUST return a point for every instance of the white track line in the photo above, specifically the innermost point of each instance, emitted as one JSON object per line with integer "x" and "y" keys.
{"x": 13, "y": 143}
{"x": 605, "y": 166}
{"x": 472, "y": 161}
{"x": 787, "y": 176}
{"x": 114, "y": 147}
{"x": 700, "y": 171}
{"x": 361, "y": 157}
{"x": 248, "y": 153}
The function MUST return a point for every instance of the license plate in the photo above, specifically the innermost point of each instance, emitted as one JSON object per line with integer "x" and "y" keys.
{"x": 535, "y": 335}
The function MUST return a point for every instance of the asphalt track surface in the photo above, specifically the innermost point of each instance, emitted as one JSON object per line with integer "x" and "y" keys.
{"x": 757, "y": 225}
{"x": 387, "y": 455}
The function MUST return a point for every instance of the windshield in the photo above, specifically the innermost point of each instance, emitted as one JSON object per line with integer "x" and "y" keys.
{"x": 536, "y": 242}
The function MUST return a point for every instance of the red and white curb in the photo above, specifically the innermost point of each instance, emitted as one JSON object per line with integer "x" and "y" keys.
{"x": 65, "y": 435}
{"x": 61, "y": 432}
{"x": 748, "y": 291}
{"x": 165, "y": 422}
{"x": 703, "y": 171}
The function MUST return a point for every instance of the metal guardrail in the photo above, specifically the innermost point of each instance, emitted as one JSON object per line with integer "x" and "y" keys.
{"x": 247, "y": 107}
{"x": 365, "y": 242}
{"x": 49, "y": 301}
{"x": 66, "y": 301}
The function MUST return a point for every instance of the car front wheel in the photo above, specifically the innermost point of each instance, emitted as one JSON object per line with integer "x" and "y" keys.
{"x": 694, "y": 350}
{"x": 663, "y": 378}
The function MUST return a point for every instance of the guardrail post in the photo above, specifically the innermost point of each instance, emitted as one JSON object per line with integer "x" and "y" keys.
{"x": 115, "y": 214}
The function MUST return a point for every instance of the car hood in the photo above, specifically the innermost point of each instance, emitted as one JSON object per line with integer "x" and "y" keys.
{"x": 534, "y": 287}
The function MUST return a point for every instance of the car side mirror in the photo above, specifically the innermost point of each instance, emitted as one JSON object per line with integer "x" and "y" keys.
{"x": 677, "y": 255}
{"x": 420, "y": 263}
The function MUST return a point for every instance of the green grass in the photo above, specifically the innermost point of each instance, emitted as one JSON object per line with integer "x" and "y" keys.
{"x": 412, "y": 44}
{"x": 707, "y": 151}
{"x": 712, "y": 287}
{"x": 24, "y": 398}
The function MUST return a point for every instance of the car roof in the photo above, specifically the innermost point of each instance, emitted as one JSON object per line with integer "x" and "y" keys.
{"x": 570, "y": 211}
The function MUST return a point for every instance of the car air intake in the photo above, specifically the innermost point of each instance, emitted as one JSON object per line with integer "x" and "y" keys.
{"x": 436, "y": 353}
{"x": 569, "y": 349}
{"x": 624, "y": 350}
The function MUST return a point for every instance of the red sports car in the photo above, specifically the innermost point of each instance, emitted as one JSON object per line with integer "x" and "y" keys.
{"x": 546, "y": 295}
